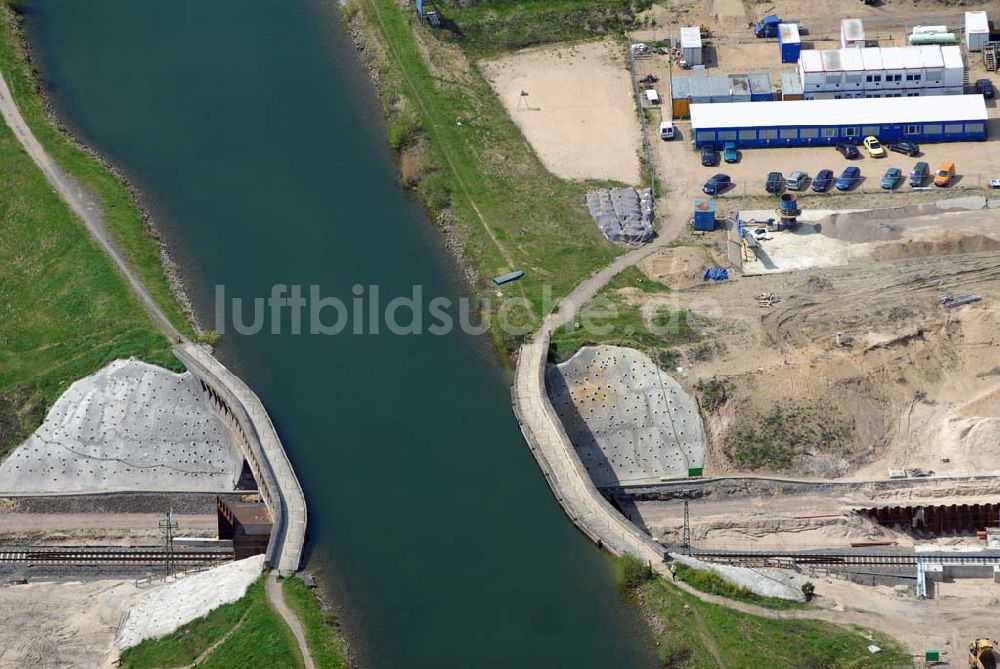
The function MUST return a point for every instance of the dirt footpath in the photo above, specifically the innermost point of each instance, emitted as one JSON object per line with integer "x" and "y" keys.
{"x": 579, "y": 114}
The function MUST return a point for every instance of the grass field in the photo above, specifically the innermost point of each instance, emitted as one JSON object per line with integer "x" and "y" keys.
{"x": 489, "y": 26}
{"x": 257, "y": 637}
{"x": 614, "y": 321}
{"x": 324, "y": 645}
{"x": 693, "y": 634}
{"x": 64, "y": 310}
{"x": 510, "y": 212}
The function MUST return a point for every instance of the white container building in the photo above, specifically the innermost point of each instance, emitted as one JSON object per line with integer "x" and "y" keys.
{"x": 977, "y": 30}
{"x": 877, "y": 72}
{"x": 852, "y": 33}
{"x": 691, "y": 45}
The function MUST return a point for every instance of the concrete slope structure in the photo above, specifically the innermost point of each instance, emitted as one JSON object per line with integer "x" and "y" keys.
{"x": 130, "y": 426}
{"x": 255, "y": 434}
{"x": 630, "y": 422}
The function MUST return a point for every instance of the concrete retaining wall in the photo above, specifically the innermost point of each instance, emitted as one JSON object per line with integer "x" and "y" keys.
{"x": 279, "y": 487}
{"x": 564, "y": 471}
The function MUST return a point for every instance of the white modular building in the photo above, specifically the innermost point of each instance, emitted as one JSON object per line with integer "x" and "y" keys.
{"x": 977, "y": 30}
{"x": 876, "y": 72}
{"x": 852, "y": 33}
{"x": 691, "y": 45}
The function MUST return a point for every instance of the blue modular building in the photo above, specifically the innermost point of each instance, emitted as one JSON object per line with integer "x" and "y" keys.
{"x": 942, "y": 118}
{"x": 789, "y": 42}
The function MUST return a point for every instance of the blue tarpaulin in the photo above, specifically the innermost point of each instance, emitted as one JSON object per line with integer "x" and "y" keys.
{"x": 715, "y": 274}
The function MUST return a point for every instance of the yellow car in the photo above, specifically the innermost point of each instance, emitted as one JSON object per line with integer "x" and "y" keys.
{"x": 875, "y": 150}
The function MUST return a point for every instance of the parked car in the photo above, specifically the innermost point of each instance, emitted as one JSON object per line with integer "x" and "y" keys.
{"x": 985, "y": 88}
{"x": 919, "y": 174}
{"x": 709, "y": 156}
{"x": 945, "y": 173}
{"x": 994, "y": 183}
{"x": 849, "y": 178}
{"x": 666, "y": 130}
{"x": 774, "y": 182}
{"x": 729, "y": 152}
{"x": 906, "y": 148}
{"x": 716, "y": 184}
{"x": 891, "y": 178}
{"x": 875, "y": 150}
{"x": 822, "y": 181}
{"x": 848, "y": 151}
{"x": 797, "y": 180}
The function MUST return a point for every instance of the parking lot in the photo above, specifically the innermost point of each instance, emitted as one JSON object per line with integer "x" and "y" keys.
{"x": 680, "y": 164}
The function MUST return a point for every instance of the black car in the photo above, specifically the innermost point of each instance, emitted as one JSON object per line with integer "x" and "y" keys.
{"x": 774, "y": 182}
{"x": 709, "y": 156}
{"x": 717, "y": 184}
{"x": 919, "y": 174}
{"x": 848, "y": 151}
{"x": 821, "y": 183}
{"x": 906, "y": 148}
{"x": 985, "y": 88}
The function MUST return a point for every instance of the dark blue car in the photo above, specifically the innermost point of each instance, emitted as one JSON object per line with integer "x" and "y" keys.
{"x": 716, "y": 184}
{"x": 849, "y": 179}
{"x": 822, "y": 181}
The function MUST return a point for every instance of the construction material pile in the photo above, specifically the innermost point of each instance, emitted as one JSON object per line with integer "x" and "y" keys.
{"x": 622, "y": 214}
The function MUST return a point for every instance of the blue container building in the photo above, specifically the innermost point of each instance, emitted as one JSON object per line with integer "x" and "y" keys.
{"x": 789, "y": 42}
{"x": 704, "y": 215}
{"x": 951, "y": 118}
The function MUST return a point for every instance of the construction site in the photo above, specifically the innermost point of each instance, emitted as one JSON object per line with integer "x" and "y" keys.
{"x": 844, "y": 373}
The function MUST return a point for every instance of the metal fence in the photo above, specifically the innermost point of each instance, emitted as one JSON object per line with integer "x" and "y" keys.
{"x": 641, "y": 111}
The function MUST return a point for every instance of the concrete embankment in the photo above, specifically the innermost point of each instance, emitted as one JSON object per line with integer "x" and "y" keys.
{"x": 563, "y": 470}
{"x": 254, "y": 432}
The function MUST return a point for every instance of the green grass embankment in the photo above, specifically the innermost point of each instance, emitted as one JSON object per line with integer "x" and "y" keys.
{"x": 615, "y": 317}
{"x": 459, "y": 148}
{"x": 257, "y": 637}
{"x": 694, "y": 634}
{"x": 65, "y": 312}
{"x": 122, "y": 216}
{"x": 490, "y": 26}
{"x": 324, "y": 645}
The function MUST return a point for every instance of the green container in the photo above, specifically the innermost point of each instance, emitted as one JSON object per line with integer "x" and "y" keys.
{"x": 932, "y": 656}
{"x": 695, "y": 471}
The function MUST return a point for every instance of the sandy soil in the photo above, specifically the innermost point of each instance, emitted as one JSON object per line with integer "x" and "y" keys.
{"x": 919, "y": 386}
{"x": 126, "y": 529}
{"x": 62, "y": 624}
{"x": 579, "y": 114}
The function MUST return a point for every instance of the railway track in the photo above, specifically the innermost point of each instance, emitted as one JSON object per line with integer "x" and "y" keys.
{"x": 96, "y": 556}
{"x": 852, "y": 559}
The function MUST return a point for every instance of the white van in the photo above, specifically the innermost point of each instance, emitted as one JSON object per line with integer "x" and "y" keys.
{"x": 666, "y": 130}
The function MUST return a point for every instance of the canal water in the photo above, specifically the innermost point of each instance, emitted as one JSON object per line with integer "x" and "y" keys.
{"x": 256, "y": 140}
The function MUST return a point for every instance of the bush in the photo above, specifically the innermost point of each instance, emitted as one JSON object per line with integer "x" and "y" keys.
{"x": 631, "y": 572}
{"x": 435, "y": 191}
{"x": 809, "y": 590}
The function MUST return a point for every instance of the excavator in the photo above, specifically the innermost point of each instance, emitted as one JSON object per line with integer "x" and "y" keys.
{"x": 982, "y": 655}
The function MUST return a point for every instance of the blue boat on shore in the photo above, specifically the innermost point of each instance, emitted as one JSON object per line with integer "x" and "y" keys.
{"x": 507, "y": 278}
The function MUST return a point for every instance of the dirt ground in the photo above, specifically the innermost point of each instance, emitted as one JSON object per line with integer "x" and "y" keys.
{"x": 919, "y": 386}
{"x": 579, "y": 114}
{"x": 122, "y": 529}
{"x": 62, "y": 624}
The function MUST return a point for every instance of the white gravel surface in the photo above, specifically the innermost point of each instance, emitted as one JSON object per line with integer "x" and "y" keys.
{"x": 780, "y": 583}
{"x": 169, "y": 606}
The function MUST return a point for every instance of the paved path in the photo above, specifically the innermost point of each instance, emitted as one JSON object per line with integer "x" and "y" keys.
{"x": 276, "y": 596}
{"x": 83, "y": 205}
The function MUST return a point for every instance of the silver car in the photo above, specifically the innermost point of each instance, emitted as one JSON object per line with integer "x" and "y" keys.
{"x": 797, "y": 180}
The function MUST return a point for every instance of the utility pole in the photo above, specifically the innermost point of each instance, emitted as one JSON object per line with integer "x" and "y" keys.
{"x": 686, "y": 537}
{"x": 168, "y": 527}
